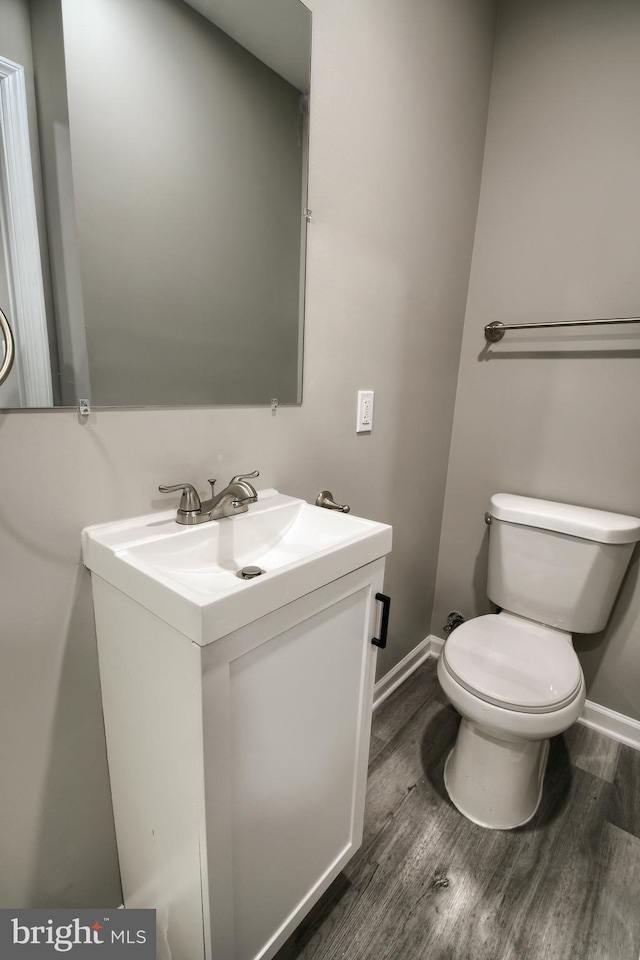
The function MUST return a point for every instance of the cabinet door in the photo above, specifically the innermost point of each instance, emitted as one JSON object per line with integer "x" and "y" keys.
{"x": 287, "y": 710}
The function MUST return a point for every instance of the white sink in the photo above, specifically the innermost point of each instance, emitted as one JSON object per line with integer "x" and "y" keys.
{"x": 188, "y": 576}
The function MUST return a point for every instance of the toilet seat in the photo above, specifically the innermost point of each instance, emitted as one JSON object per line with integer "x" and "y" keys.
{"x": 514, "y": 663}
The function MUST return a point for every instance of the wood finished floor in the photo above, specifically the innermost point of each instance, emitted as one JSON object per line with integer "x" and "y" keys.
{"x": 429, "y": 884}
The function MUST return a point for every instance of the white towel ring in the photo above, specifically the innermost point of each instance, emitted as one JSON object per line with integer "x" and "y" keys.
{"x": 9, "y": 348}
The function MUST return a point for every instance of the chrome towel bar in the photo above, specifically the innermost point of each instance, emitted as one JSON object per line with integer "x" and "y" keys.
{"x": 9, "y": 349}
{"x": 495, "y": 331}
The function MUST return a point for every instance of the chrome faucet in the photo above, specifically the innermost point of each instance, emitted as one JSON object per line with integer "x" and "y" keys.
{"x": 234, "y": 499}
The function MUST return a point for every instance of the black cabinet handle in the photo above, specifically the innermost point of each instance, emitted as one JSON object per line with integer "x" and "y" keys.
{"x": 384, "y": 626}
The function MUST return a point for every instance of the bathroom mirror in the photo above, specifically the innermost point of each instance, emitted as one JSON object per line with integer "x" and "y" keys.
{"x": 171, "y": 143}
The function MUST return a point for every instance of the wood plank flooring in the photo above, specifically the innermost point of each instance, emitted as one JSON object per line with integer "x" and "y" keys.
{"x": 429, "y": 884}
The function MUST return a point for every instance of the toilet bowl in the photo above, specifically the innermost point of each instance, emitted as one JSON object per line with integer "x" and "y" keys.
{"x": 515, "y": 684}
{"x": 514, "y": 676}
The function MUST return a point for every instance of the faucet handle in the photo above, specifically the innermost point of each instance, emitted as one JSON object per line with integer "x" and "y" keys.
{"x": 325, "y": 499}
{"x": 246, "y": 476}
{"x": 189, "y": 502}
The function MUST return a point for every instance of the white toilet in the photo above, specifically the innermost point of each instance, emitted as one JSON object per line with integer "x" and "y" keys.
{"x": 514, "y": 677}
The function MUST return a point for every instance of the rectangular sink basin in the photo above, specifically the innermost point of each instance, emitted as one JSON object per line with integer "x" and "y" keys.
{"x": 189, "y": 576}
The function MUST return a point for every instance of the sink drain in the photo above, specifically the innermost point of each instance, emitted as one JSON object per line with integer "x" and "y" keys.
{"x": 248, "y": 573}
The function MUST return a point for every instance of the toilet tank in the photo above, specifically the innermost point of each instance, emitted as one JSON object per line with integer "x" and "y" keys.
{"x": 556, "y": 563}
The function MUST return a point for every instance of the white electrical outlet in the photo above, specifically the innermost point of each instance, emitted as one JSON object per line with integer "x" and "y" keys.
{"x": 365, "y": 411}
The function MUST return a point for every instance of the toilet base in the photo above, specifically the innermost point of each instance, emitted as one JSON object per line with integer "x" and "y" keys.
{"x": 495, "y": 783}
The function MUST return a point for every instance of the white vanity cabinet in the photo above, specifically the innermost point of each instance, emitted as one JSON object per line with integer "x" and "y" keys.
{"x": 238, "y": 766}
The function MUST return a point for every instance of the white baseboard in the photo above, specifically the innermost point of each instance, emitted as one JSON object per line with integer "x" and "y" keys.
{"x": 614, "y": 725}
{"x": 398, "y": 674}
{"x": 436, "y": 646}
{"x": 429, "y": 647}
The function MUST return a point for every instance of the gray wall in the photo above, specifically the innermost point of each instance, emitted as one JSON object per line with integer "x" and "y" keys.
{"x": 399, "y": 98}
{"x": 558, "y": 415}
{"x": 187, "y": 156}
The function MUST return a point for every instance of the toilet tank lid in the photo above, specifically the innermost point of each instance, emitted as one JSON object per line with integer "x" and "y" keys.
{"x": 583, "y": 522}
